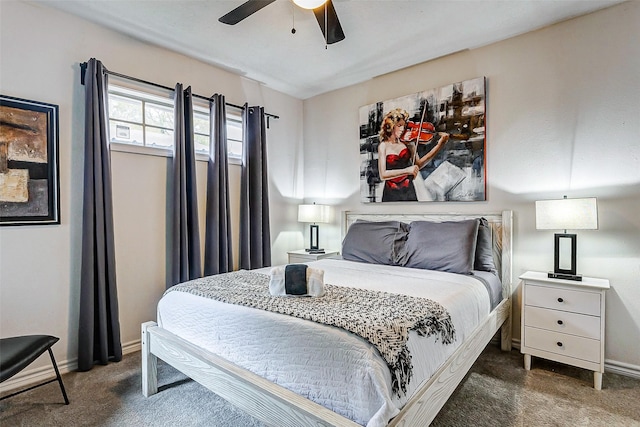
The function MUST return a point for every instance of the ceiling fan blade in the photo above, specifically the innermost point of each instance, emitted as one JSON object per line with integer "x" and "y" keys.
{"x": 244, "y": 10}
{"x": 334, "y": 31}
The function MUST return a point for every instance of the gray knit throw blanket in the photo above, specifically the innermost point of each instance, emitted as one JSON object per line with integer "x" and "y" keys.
{"x": 384, "y": 319}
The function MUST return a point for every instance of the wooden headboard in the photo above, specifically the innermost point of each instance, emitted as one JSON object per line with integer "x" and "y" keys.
{"x": 501, "y": 226}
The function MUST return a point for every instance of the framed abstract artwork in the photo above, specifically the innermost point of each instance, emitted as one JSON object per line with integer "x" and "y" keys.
{"x": 426, "y": 147}
{"x": 29, "y": 175}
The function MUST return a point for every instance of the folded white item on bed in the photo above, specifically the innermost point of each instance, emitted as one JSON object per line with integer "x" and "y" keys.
{"x": 279, "y": 286}
{"x": 294, "y": 353}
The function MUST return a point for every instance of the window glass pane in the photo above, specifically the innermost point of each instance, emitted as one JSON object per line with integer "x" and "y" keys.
{"x": 125, "y": 133}
{"x": 201, "y": 123}
{"x": 157, "y": 137}
{"x": 234, "y": 148}
{"x": 201, "y": 143}
{"x": 125, "y": 108}
{"x": 234, "y": 130}
{"x": 158, "y": 115}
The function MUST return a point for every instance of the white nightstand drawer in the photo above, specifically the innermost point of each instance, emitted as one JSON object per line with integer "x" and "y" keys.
{"x": 562, "y": 321}
{"x": 296, "y": 259}
{"x": 563, "y": 299}
{"x": 566, "y": 345}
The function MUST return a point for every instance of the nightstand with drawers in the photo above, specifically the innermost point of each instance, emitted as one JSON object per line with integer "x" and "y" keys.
{"x": 563, "y": 320}
{"x": 301, "y": 256}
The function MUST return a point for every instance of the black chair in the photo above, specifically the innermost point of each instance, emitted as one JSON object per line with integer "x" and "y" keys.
{"x": 16, "y": 353}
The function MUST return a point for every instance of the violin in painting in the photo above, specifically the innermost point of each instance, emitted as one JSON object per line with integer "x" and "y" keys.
{"x": 420, "y": 132}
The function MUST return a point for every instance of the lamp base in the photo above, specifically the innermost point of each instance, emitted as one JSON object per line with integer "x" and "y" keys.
{"x": 315, "y": 251}
{"x": 576, "y": 277}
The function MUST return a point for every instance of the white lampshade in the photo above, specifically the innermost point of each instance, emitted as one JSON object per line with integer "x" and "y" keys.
{"x": 309, "y": 4}
{"x": 567, "y": 214}
{"x": 314, "y": 213}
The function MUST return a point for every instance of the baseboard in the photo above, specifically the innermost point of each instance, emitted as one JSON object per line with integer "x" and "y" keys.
{"x": 625, "y": 369}
{"x": 131, "y": 347}
{"x": 30, "y": 377}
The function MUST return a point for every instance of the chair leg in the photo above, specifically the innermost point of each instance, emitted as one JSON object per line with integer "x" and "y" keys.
{"x": 55, "y": 366}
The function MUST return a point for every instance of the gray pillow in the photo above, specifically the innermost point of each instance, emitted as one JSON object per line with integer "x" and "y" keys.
{"x": 376, "y": 242}
{"x": 443, "y": 246}
{"x": 484, "y": 248}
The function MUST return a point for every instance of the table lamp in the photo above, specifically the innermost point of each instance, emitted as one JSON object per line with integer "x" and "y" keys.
{"x": 314, "y": 214}
{"x": 566, "y": 214}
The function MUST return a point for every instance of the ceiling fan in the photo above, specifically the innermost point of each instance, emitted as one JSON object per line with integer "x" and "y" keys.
{"x": 324, "y": 12}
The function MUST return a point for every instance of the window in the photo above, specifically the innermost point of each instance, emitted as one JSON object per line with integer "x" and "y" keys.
{"x": 234, "y": 135}
{"x": 145, "y": 120}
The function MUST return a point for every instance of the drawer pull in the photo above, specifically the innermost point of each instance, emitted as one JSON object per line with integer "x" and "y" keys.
{"x": 560, "y": 322}
{"x": 559, "y": 344}
{"x": 560, "y": 300}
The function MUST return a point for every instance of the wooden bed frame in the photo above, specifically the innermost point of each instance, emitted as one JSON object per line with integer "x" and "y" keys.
{"x": 275, "y": 405}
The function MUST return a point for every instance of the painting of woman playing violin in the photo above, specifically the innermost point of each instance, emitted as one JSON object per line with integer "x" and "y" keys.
{"x": 428, "y": 146}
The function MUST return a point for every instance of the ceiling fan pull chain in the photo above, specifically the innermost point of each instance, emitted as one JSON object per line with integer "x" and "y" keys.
{"x": 326, "y": 28}
{"x": 293, "y": 19}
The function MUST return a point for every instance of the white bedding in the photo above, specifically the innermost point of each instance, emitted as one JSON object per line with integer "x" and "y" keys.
{"x": 330, "y": 366}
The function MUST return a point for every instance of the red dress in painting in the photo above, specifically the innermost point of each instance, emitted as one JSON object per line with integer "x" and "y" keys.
{"x": 399, "y": 189}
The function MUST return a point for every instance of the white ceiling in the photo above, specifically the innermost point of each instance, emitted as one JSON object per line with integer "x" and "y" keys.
{"x": 381, "y": 35}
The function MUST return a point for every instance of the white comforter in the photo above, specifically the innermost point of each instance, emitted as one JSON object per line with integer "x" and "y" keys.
{"x": 330, "y": 366}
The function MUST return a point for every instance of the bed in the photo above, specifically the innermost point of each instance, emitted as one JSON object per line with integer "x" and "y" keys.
{"x": 272, "y": 401}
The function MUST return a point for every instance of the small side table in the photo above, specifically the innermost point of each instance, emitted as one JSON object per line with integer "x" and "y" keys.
{"x": 563, "y": 320}
{"x": 304, "y": 256}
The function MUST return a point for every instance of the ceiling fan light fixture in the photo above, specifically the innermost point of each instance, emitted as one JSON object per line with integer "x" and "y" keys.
{"x": 309, "y": 4}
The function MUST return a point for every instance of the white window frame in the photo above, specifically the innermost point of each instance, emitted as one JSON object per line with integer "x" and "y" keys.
{"x": 127, "y": 89}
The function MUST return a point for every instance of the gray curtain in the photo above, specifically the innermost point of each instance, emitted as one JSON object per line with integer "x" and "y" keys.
{"x": 218, "y": 256}
{"x": 99, "y": 328}
{"x": 255, "y": 235}
{"x": 185, "y": 236}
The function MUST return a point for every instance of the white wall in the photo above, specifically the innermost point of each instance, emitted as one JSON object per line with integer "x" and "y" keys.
{"x": 562, "y": 118}
{"x": 41, "y": 49}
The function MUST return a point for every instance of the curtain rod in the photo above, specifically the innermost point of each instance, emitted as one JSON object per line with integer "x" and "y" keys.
{"x": 83, "y": 70}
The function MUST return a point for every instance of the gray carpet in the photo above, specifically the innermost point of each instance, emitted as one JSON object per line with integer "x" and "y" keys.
{"x": 496, "y": 392}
